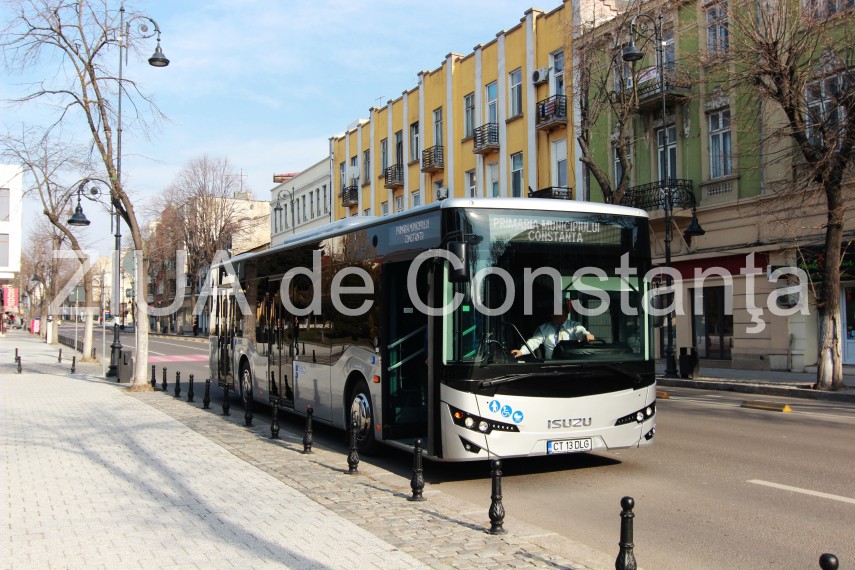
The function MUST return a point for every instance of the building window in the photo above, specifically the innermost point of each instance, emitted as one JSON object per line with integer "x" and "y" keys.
{"x": 311, "y": 205}
{"x": 366, "y": 212}
{"x": 825, "y": 108}
{"x": 558, "y": 73}
{"x": 667, "y": 148}
{"x": 399, "y": 147}
{"x": 414, "y": 141}
{"x": 623, "y": 75}
{"x": 326, "y": 208}
{"x": 318, "y": 199}
{"x": 516, "y": 174}
{"x": 437, "y": 127}
{"x": 341, "y": 175}
{"x": 399, "y": 204}
{"x": 618, "y": 165}
{"x": 354, "y": 170}
{"x": 720, "y": 146}
{"x": 470, "y": 183}
{"x": 304, "y": 209}
{"x": 492, "y": 103}
{"x": 366, "y": 166}
{"x": 826, "y": 8}
{"x": 718, "y": 39}
{"x": 384, "y": 154}
{"x": 515, "y": 84}
{"x": 493, "y": 177}
{"x": 5, "y": 204}
{"x": 417, "y": 199}
{"x": 469, "y": 115}
{"x": 4, "y": 250}
{"x": 384, "y": 208}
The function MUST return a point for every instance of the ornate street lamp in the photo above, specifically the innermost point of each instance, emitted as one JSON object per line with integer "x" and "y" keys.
{"x": 277, "y": 207}
{"x": 632, "y": 54}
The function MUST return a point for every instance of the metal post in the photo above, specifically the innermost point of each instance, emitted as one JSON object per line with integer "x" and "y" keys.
{"x": 190, "y": 393}
{"x": 73, "y": 363}
{"x": 353, "y": 455}
{"x": 626, "y": 559}
{"x": 16, "y": 355}
{"x": 206, "y": 400}
{"x": 177, "y": 391}
{"x": 417, "y": 483}
{"x": 19, "y": 365}
{"x": 307, "y": 437}
{"x": 497, "y": 510}
{"x": 274, "y": 422}
{"x": 163, "y": 382}
{"x": 59, "y": 360}
{"x": 226, "y": 404}
{"x": 153, "y": 378}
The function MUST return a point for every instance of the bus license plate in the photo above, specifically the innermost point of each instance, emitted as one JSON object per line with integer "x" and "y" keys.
{"x": 569, "y": 445}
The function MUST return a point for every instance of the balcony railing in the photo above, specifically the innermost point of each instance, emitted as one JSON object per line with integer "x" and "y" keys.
{"x": 433, "y": 159}
{"x": 552, "y": 112}
{"x": 350, "y": 196}
{"x": 555, "y": 192}
{"x": 486, "y": 138}
{"x": 671, "y": 194}
{"x": 394, "y": 176}
{"x": 650, "y": 93}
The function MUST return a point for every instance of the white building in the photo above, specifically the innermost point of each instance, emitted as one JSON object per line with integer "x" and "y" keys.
{"x": 301, "y": 201}
{"x": 11, "y": 219}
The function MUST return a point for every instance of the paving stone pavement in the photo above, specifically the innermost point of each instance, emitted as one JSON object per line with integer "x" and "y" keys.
{"x": 95, "y": 476}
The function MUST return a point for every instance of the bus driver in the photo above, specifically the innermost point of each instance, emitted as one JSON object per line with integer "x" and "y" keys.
{"x": 549, "y": 334}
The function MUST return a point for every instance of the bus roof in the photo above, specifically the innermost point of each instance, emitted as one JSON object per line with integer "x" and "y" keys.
{"x": 358, "y": 222}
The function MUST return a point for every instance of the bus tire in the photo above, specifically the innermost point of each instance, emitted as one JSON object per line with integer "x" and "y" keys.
{"x": 245, "y": 384}
{"x": 362, "y": 408}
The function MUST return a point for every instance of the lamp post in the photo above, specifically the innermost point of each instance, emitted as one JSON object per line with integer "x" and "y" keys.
{"x": 278, "y": 206}
{"x": 632, "y": 54}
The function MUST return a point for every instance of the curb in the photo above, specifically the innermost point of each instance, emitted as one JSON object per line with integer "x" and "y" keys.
{"x": 755, "y": 388}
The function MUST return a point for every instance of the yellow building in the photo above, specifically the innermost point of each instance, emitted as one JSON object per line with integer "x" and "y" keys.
{"x": 494, "y": 123}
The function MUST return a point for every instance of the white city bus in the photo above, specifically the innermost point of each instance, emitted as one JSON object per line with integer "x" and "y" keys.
{"x": 429, "y": 357}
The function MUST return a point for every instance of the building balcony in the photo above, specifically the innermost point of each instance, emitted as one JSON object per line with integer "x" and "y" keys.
{"x": 554, "y": 192}
{"x": 677, "y": 88}
{"x": 394, "y": 176}
{"x": 672, "y": 195}
{"x": 486, "y": 138}
{"x": 433, "y": 159}
{"x": 350, "y": 196}
{"x": 552, "y": 112}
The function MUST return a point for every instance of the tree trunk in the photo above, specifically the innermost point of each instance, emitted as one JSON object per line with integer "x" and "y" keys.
{"x": 829, "y": 369}
{"x": 141, "y": 325}
{"x": 87, "y": 319}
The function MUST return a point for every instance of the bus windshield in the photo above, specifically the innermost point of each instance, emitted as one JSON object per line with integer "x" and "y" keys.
{"x": 547, "y": 289}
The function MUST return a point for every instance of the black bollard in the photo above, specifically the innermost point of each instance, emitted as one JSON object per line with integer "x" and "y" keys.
{"x": 307, "y": 437}
{"x": 828, "y": 562}
{"x": 163, "y": 382}
{"x": 626, "y": 559}
{"x": 177, "y": 391}
{"x": 353, "y": 456}
{"x": 497, "y": 510}
{"x": 417, "y": 483}
{"x": 19, "y": 365}
{"x": 247, "y": 415}
{"x": 73, "y": 363}
{"x": 16, "y": 355}
{"x": 274, "y": 422}
{"x": 190, "y": 393}
{"x": 153, "y": 376}
{"x": 60, "y": 356}
{"x": 207, "y": 398}
{"x": 226, "y": 404}
{"x": 93, "y": 354}
{"x": 304, "y": 348}
{"x": 314, "y": 358}
{"x": 274, "y": 390}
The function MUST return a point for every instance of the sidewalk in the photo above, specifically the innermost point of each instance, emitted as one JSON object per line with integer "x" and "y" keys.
{"x": 97, "y": 477}
{"x": 770, "y": 383}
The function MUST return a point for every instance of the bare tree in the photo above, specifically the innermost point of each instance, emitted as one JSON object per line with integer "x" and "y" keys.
{"x": 800, "y": 62}
{"x": 78, "y": 36}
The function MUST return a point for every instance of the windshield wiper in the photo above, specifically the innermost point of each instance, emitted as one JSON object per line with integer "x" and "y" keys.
{"x": 514, "y": 378}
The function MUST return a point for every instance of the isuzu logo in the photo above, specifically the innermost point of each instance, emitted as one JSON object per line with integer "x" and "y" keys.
{"x": 568, "y": 423}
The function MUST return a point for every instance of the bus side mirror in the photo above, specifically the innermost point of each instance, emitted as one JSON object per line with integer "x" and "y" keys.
{"x": 458, "y": 249}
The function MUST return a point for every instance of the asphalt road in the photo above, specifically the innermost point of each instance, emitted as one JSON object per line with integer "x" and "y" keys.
{"x": 723, "y": 487}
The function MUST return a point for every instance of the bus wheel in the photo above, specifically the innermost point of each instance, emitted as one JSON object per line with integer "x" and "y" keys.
{"x": 362, "y": 410}
{"x": 245, "y": 385}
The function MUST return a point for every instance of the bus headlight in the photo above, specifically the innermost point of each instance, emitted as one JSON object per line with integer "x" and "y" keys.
{"x": 479, "y": 424}
{"x": 639, "y": 416}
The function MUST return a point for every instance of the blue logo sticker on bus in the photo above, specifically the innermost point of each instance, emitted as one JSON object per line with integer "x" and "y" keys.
{"x": 373, "y": 360}
{"x": 494, "y": 406}
{"x": 507, "y": 411}
{"x": 517, "y": 417}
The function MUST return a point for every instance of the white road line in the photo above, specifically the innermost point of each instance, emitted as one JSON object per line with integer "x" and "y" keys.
{"x": 803, "y": 491}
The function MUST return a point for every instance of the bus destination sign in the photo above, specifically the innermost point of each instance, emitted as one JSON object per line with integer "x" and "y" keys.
{"x": 422, "y": 232}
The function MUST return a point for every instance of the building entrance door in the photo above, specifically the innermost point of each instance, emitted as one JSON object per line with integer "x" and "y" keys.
{"x": 847, "y": 304}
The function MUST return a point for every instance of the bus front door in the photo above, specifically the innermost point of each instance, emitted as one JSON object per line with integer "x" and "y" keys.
{"x": 405, "y": 341}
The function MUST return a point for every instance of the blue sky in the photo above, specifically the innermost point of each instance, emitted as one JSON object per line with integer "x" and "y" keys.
{"x": 266, "y": 82}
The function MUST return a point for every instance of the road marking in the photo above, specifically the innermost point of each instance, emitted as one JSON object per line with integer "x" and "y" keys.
{"x": 803, "y": 491}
